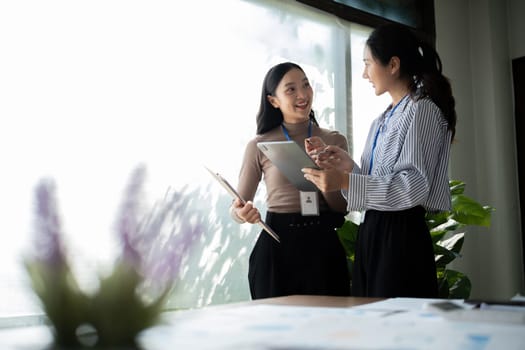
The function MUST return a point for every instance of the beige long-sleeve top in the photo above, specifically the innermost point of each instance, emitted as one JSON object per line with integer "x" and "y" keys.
{"x": 282, "y": 196}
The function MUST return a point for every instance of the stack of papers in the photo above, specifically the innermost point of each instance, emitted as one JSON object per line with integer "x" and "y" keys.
{"x": 398, "y": 323}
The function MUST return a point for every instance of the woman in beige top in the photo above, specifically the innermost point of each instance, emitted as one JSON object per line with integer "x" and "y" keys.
{"x": 309, "y": 258}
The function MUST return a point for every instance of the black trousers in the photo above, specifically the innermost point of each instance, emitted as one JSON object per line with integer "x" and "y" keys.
{"x": 309, "y": 260}
{"x": 394, "y": 256}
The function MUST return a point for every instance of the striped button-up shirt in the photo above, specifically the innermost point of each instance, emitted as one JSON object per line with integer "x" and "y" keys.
{"x": 410, "y": 161}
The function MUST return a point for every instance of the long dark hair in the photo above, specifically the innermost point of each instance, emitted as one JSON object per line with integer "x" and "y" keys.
{"x": 420, "y": 65}
{"x": 268, "y": 116}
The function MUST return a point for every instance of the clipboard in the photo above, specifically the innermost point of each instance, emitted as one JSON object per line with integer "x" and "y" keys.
{"x": 235, "y": 194}
{"x": 290, "y": 158}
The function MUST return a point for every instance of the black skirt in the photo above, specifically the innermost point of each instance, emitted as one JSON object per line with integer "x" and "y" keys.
{"x": 394, "y": 256}
{"x": 309, "y": 260}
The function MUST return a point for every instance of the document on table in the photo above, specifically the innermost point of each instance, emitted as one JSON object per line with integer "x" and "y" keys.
{"x": 329, "y": 328}
{"x": 231, "y": 190}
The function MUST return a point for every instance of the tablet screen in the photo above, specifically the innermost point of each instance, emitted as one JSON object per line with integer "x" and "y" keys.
{"x": 290, "y": 158}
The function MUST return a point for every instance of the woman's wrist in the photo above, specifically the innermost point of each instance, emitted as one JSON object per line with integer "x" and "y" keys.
{"x": 350, "y": 168}
{"x": 344, "y": 181}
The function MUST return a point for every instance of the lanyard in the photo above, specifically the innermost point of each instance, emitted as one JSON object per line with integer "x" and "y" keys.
{"x": 379, "y": 129}
{"x": 288, "y": 135}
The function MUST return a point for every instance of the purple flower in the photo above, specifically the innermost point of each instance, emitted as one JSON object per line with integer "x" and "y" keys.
{"x": 155, "y": 244}
{"x": 127, "y": 223}
{"x": 176, "y": 234}
{"x": 48, "y": 243}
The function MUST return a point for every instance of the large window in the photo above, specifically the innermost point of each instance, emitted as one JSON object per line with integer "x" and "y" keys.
{"x": 89, "y": 90}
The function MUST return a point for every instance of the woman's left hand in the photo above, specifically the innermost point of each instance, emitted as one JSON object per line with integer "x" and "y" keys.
{"x": 327, "y": 180}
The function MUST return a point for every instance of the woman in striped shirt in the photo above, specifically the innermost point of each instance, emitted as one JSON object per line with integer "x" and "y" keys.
{"x": 403, "y": 171}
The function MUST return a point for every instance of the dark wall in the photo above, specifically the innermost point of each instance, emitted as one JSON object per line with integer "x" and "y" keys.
{"x": 518, "y": 76}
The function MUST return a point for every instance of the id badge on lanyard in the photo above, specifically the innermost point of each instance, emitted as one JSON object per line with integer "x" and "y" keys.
{"x": 309, "y": 203}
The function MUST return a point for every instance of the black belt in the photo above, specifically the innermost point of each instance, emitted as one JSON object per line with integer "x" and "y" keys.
{"x": 298, "y": 220}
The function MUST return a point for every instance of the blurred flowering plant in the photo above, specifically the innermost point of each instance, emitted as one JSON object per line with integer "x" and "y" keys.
{"x": 129, "y": 299}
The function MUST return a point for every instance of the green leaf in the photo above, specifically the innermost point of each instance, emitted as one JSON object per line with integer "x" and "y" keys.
{"x": 348, "y": 236}
{"x": 437, "y": 235}
{"x": 63, "y": 302}
{"x": 118, "y": 299}
{"x": 456, "y": 187}
{"x": 444, "y": 256}
{"x": 448, "y": 249}
{"x": 435, "y": 219}
{"x": 438, "y": 232}
{"x": 453, "y": 242}
{"x": 443, "y": 287}
{"x": 469, "y": 212}
{"x": 459, "y": 283}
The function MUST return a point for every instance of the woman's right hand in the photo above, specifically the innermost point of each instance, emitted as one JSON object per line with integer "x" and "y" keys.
{"x": 313, "y": 146}
{"x": 334, "y": 157}
{"x": 246, "y": 211}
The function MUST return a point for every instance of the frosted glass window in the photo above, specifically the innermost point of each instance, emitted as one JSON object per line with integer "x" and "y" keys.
{"x": 89, "y": 90}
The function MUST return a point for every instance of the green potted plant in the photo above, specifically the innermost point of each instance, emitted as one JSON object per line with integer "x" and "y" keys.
{"x": 128, "y": 299}
{"x": 447, "y": 237}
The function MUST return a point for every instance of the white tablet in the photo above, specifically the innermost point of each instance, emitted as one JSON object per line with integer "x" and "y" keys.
{"x": 290, "y": 158}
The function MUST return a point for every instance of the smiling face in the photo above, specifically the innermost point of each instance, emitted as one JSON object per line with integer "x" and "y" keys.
{"x": 380, "y": 76}
{"x": 293, "y": 96}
